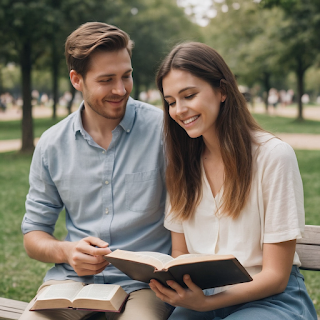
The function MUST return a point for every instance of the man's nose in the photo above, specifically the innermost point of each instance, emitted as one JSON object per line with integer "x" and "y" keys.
{"x": 119, "y": 89}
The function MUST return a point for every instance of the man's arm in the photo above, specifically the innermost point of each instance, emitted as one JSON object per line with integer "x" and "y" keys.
{"x": 84, "y": 256}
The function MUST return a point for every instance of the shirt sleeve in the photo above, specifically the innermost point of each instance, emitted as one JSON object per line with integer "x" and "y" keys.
{"x": 170, "y": 223}
{"x": 282, "y": 191}
{"x": 43, "y": 203}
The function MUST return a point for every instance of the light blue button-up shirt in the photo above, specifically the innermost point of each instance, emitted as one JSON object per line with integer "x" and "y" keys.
{"x": 117, "y": 195}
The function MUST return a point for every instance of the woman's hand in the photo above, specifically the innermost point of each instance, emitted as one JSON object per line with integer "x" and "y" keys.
{"x": 191, "y": 298}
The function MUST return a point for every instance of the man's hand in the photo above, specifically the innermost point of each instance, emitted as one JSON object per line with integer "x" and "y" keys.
{"x": 86, "y": 256}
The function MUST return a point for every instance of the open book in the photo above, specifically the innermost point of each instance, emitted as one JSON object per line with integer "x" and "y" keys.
{"x": 206, "y": 271}
{"x": 100, "y": 297}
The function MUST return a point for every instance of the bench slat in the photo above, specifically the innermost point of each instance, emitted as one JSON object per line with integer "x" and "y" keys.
{"x": 309, "y": 256}
{"x": 311, "y": 235}
{"x": 11, "y": 309}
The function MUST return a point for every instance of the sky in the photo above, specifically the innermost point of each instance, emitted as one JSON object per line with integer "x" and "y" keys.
{"x": 204, "y": 10}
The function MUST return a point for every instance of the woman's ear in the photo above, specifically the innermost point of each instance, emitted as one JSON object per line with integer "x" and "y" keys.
{"x": 76, "y": 80}
{"x": 223, "y": 97}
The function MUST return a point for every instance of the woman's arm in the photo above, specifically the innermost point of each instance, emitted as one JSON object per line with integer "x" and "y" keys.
{"x": 273, "y": 279}
{"x": 179, "y": 245}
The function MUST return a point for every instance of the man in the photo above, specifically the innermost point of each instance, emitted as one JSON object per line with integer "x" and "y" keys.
{"x": 104, "y": 164}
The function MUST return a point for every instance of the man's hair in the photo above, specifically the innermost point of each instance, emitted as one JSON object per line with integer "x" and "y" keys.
{"x": 91, "y": 37}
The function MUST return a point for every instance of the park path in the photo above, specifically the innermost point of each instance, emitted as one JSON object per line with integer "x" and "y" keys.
{"x": 301, "y": 141}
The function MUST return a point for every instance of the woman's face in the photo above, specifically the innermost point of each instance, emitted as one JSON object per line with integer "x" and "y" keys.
{"x": 193, "y": 103}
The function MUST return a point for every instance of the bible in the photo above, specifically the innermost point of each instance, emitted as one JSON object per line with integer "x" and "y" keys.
{"x": 206, "y": 271}
{"x": 96, "y": 297}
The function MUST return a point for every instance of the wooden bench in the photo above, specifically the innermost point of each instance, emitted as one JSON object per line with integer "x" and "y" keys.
{"x": 308, "y": 249}
{"x": 11, "y": 309}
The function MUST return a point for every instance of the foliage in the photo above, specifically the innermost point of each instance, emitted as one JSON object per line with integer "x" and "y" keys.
{"x": 154, "y": 26}
{"x": 300, "y": 35}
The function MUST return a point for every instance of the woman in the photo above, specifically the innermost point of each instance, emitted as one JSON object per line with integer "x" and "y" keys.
{"x": 232, "y": 189}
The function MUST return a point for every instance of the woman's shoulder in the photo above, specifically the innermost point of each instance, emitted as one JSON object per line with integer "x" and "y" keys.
{"x": 267, "y": 146}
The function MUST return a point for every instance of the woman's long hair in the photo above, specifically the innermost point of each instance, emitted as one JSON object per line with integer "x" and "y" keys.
{"x": 234, "y": 127}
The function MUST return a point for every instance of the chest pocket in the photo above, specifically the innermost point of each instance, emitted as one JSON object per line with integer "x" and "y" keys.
{"x": 143, "y": 191}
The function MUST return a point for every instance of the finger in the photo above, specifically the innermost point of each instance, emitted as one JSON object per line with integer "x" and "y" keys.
{"x": 176, "y": 287}
{"x": 80, "y": 258}
{"x": 164, "y": 290}
{"x": 93, "y": 246}
{"x": 187, "y": 280}
{"x": 93, "y": 267}
{"x": 158, "y": 293}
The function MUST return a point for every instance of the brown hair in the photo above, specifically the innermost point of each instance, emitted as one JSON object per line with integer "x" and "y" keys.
{"x": 234, "y": 128}
{"x": 90, "y": 37}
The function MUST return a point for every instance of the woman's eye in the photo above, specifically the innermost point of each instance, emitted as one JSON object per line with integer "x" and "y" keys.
{"x": 190, "y": 96}
{"x": 171, "y": 104}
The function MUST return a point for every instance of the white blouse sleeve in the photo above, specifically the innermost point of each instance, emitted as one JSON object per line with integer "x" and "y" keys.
{"x": 170, "y": 223}
{"x": 282, "y": 193}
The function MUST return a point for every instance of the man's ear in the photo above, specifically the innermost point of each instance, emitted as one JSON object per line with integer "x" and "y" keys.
{"x": 76, "y": 80}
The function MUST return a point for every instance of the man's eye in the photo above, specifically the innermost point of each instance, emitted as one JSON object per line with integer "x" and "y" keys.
{"x": 105, "y": 80}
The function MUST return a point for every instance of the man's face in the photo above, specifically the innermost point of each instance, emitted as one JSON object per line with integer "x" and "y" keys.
{"x": 108, "y": 83}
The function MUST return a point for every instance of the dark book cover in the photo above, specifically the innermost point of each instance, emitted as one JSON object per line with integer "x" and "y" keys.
{"x": 206, "y": 274}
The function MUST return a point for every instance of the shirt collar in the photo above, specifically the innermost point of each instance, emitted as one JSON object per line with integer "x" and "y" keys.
{"x": 128, "y": 119}
{"x": 126, "y": 123}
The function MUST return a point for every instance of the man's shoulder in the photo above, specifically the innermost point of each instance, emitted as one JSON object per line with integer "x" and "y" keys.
{"x": 58, "y": 131}
{"x": 143, "y": 107}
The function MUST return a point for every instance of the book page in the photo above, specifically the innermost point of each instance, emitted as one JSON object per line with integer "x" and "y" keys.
{"x": 61, "y": 291}
{"x": 192, "y": 258}
{"x": 163, "y": 258}
{"x": 154, "y": 259}
{"x": 97, "y": 292}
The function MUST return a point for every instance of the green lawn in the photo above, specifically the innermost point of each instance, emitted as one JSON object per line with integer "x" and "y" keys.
{"x": 287, "y": 125}
{"x": 12, "y": 129}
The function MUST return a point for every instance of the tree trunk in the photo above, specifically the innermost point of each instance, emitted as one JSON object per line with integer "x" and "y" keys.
{"x": 73, "y": 93}
{"x": 266, "y": 84}
{"x": 55, "y": 78}
{"x": 27, "y": 122}
{"x": 136, "y": 87}
{"x": 300, "y": 80}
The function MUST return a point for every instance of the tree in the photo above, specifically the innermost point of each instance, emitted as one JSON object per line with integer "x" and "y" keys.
{"x": 246, "y": 37}
{"x": 300, "y": 36}
{"x": 154, "y": 26}
{"x": 30, "y": 27}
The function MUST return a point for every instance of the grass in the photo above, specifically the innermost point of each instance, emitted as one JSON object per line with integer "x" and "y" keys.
{"x": 22, "y": 276}
{"x": 287, "y": 125}
{"x": 12, "y": 129}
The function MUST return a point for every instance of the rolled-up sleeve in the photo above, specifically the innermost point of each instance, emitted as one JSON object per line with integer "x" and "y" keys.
{"x": 43, "y": 203}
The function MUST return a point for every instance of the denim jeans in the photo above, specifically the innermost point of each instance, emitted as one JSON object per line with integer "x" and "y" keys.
{"x": 292, "y": 304}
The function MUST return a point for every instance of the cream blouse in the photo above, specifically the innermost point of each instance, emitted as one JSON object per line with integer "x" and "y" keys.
{"x": 273, "y": 213}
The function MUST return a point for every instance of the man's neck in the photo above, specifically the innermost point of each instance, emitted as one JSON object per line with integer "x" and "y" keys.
{"x": 98, "y": 127}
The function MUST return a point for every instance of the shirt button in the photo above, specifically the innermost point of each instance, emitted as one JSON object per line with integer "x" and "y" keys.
{"x": 103, "y": 151}
{"x": 107, "y": 182}
{"x": 107, "y": 211}
{"x": 128, "y": 130}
